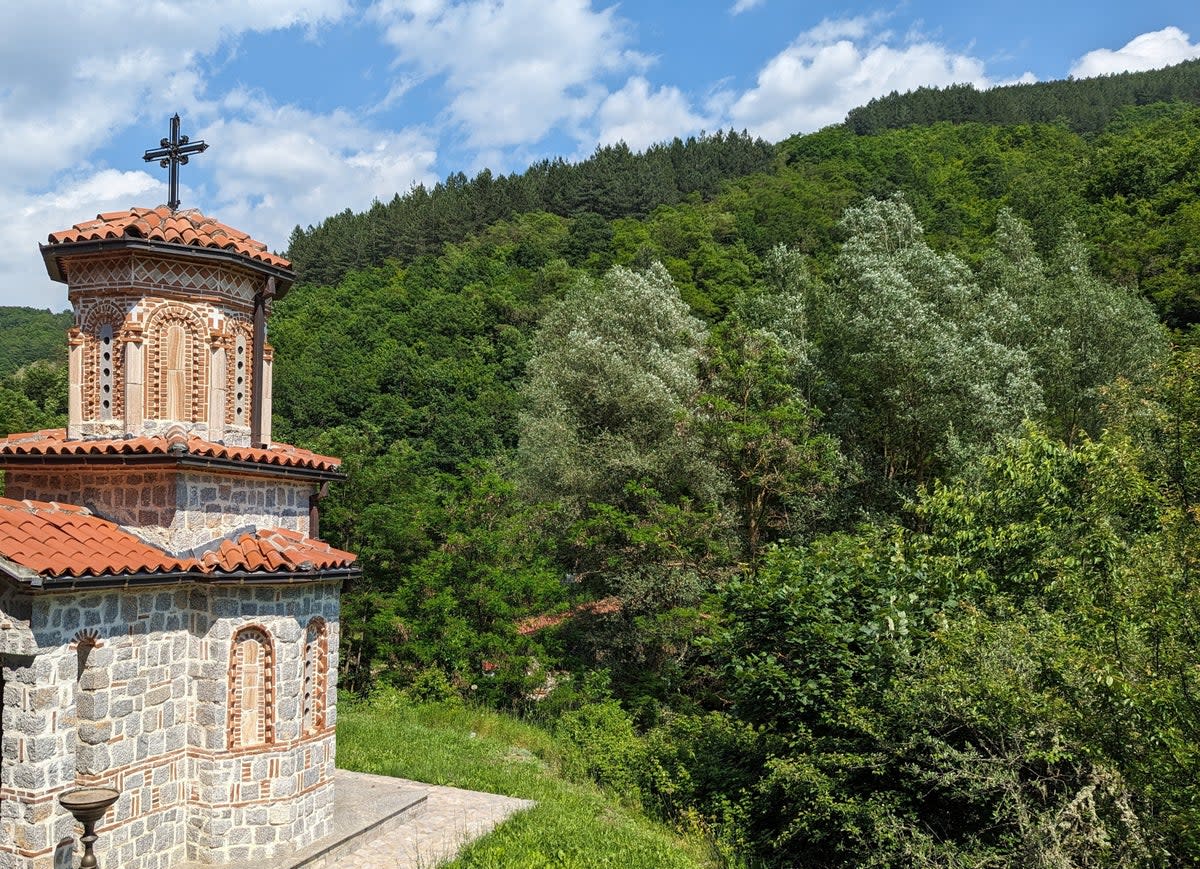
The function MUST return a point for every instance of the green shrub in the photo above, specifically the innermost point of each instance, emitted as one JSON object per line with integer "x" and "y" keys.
{"x": 431, "y": 686}
{"x": 610, "y": 751}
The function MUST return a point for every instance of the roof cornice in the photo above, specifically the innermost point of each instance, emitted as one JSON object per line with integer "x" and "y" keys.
{"x": 53, "y": 253}
{"x": 31, "y": 581}
{"x": 166, "y": 460}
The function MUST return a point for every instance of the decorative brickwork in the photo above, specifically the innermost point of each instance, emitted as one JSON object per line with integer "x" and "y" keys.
{"x": 231, "y": 286}
{"x": 176, "y": 369}
{"x": 103, "y": 363}
{"x": 101, "y": 273}
{"x": 138, "y": 272}
{"x": 316, "y": 679}
{"x": 251, "y": 689}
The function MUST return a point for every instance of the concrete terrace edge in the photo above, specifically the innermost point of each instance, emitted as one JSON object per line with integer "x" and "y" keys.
{"x": 365, "y": 807}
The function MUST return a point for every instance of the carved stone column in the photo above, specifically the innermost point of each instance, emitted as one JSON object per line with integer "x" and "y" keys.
{"x": 135, "y": 378}
{"x": 218, "y": 356}
{"x": 75, "y": 382}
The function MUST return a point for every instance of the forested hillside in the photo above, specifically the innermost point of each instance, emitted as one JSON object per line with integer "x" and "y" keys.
{"x": 31, "y": 336}
{"x": 33, "y": 357}
{"x": 1083, "y": 105}
{"x": 837, "y": 497}
{"x": 1131, "y": 189}
{"x": 613, "y": 182}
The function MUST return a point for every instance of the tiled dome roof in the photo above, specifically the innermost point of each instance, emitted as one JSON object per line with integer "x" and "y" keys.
{"x": 188, "y": 227}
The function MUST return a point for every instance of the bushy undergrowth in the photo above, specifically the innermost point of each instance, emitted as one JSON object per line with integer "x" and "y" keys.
{"x": 575, "y": 824}
{"x": 1008, "y": 686}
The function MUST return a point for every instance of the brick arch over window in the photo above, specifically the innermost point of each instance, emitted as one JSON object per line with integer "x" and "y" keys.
{"x": 176, "y": 369}
{"x": 315, "y": 683}
{"x": 251, "y": 688}
{"x": 103, "y": 363}
{"x": 238, "y": 370}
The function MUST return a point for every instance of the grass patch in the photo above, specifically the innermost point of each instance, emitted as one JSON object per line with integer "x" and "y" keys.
{"x": 575, "y": 825}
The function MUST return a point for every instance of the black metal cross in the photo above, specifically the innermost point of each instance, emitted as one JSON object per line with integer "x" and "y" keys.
{"x": 173, "y": 152}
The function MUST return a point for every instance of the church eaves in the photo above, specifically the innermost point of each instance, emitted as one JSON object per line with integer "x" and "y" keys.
{"x": 187, "y": 232}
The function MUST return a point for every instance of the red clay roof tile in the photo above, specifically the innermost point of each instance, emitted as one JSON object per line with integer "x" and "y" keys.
{"x": 67, "y": 541}
{"x": 63, "y": 540}
{"x": 190, "y": 228}
{"x": 275, "y": 549}
{"x": 54, "y": 442}
{"x": 604, "y": 606}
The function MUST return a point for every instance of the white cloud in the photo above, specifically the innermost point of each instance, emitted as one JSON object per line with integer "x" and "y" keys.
{"x": 1149, "y": 51}
{"x": 744, "y": 6}
{"x": 281, "y": 165}
{"x": 71, "y": 82}
{"x": 515, "y": 69}
{"x": 836, "y": 66}
{"x": 30, "y": 218}
{"x": 640, "y": 117}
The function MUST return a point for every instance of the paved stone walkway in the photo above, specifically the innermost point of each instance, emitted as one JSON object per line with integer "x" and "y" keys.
{"x": 451, "y": 818}
{"x": 380, "y": 822}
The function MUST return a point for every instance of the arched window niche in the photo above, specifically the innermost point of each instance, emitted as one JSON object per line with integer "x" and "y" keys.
{"x": 176, "y": 374}
{"x": 251, "y": 688}
{"x": 315, "y": 685}
{"x": 102, "y": 372}
{"x": 106, "y": 366}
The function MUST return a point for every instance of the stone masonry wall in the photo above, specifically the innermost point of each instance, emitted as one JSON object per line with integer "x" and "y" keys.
{"x": 175, "y": 510}
{"x": 252, "y": 801}
{"x": 130, "y": 689}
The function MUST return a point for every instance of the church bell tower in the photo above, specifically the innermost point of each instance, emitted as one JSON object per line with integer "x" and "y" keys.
{"x": 170, "y": 312}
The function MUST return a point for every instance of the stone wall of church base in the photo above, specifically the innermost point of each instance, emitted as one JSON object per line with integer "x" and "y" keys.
{"x": 140, "y": 691}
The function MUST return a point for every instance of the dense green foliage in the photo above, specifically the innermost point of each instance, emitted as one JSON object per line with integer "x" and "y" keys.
{"x": 1084, "y": 105}
{"x": 836, "y": 499}
{"x": 33, "y": 369}
{"x": 613, "y": 182}
{"x": 834, "y": 524}
{"x": 34, "y": 397}
{"x": 31, "y": 336}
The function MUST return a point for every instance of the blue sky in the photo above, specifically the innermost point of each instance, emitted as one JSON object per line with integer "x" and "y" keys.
{"x": 314, "y": 106}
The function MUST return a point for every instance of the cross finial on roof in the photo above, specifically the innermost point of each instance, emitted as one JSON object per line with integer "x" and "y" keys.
{"x": 173, "y": 152}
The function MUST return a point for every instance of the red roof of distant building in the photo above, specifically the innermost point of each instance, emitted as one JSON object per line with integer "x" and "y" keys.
{"x": 54, "y": 442}
{"x": 602, "y": 607}
{"x": 161, "y": 224}
{"x": 62, "y": 540}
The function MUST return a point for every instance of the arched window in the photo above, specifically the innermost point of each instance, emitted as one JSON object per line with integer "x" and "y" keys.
{"x": 251, "y": 688}
{"x": 176, "y": 368}
{"x": 175, "y": 363}
{"x": 240, "y": 415}
{"x": 106, "y": 371}
{"x": 315, "y": 686}
{"x": 238, "y": 385}
{"x": 103, "y": 369}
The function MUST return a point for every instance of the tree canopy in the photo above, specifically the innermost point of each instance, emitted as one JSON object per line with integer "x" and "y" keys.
{"x": 836, "y": 497}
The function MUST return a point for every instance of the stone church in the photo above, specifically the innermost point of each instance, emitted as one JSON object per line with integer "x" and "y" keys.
{"x": 168, "y": 613}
